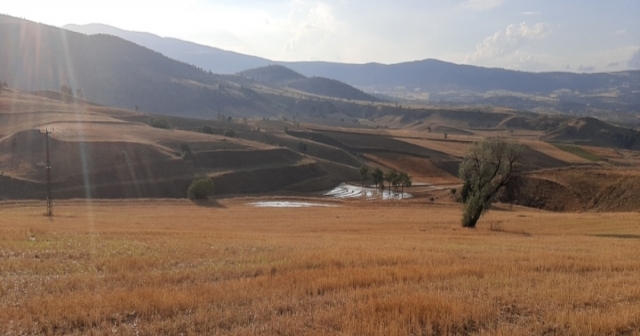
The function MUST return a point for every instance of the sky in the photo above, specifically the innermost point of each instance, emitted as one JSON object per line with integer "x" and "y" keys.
{"x": 541, "y": 35}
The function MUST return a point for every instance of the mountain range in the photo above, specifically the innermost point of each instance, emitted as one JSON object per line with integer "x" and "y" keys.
{"x": 209, "y": 58}
{"x": 112, "y": 71}
{"x": 429, "y": 80}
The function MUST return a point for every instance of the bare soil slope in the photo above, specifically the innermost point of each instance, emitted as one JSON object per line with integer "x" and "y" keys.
{"x": 98, "y": 152}
{"x": 582, "y": 189}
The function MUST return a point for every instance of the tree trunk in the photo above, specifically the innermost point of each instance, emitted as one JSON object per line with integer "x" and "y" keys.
{"x": 472, "y": 220}
{"x": 472, "y": 211}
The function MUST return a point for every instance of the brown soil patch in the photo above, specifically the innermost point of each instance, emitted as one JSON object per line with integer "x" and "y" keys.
{"x": 582, "y": 189}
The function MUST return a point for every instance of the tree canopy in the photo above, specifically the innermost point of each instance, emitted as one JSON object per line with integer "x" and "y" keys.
{"x": 201, "y": 189}
{"x": 489, "y": 166}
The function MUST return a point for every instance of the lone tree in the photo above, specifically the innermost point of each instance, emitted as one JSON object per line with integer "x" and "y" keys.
{"x": 490, "y": 165}
{"x": 200, "y": 189}
{"x": 364, "y": 173}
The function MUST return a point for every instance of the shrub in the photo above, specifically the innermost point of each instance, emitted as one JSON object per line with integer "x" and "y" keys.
{"x": 185, "y": 148}
{"x": 229, "y": 133}
{"x": 453, "y": 191}
{"x": 201, "y": 189}
{"x": 160, "y": 123}
{"x": 206, "y": 129}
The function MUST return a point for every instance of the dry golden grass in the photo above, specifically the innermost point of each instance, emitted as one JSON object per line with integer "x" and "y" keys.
{"x": 364, "y": 268}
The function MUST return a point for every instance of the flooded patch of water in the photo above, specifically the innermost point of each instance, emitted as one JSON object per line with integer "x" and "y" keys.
{"x": 352, "y": 191}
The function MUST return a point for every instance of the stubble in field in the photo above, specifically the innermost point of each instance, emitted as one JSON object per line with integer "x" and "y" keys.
{"x": 170, "y": 267}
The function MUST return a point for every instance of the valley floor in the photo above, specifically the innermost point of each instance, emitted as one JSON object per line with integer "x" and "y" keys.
{"x": 358, "y": 267}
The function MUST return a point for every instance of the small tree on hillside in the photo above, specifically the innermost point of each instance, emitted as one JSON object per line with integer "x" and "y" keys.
{"x": 364, "y": 173}
{"x": 490, "y": 165}
{"x": 201, "y": 189}
{"x": 378, "y": 177}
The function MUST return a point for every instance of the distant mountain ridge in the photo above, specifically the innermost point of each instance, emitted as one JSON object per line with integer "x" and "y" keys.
{"x": 209, "y": 58}
{"x": 111, "y": 71}
{"x": 434, "y": 80}
{"x": 429, "y": 74}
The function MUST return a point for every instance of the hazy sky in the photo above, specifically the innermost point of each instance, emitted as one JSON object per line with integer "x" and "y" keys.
{"x": 541, "y": 35}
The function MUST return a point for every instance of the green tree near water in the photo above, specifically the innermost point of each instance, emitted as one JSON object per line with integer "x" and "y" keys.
{"x": 489, "y": 166}
{"x": 392, "y": 178}
{"x": 404, "y": 180}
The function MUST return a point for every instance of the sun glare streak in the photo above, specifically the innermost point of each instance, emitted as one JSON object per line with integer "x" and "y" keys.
{"x": 71, "y": 78}
{"x": 132, "y": 174}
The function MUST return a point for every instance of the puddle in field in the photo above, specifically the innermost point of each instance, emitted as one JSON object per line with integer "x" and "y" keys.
{"x": 287, "y": 204}
{"x": 352, "y": 191}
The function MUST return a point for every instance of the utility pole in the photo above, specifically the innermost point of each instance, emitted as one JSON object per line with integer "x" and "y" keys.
{"x": 49, "y": 199}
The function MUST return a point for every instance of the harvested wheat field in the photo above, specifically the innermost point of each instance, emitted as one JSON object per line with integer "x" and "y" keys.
{"x": 351, "y": 268}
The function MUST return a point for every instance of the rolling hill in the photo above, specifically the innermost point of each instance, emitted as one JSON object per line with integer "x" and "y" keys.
{"x": 102, "y": 152}
{"x": 280, "y": 75}
{"x": 591, "y": 131}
